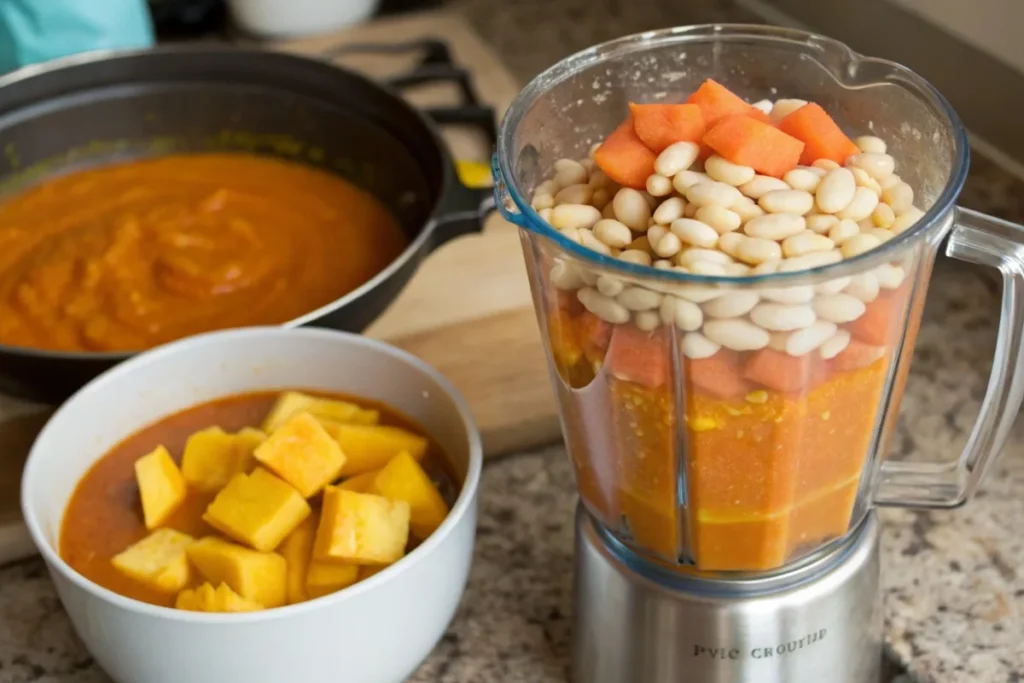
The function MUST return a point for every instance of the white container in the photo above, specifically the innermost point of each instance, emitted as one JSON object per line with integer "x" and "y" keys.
{"x": 296, "y": 18}
{"x": 377, "y": 631}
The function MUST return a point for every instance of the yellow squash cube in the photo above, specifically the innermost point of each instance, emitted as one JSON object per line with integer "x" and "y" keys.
{"x": 297, "y": 551}
{"x": 158, "y": 560}
{"x": 361, "y": 483}
{"x": 206, "y": 598}
{"x": 403, "y": 479}
{"x": 291, "y": 403}
{"x": 361, "y": 528}
{"x": 212, "y": 456}
{"x": 259, "y": 577}
{"x": 303, "y": 454}
{"x": 327, "y": 577}
{"x": 257, "y": 509}
{"x": 369, "y": 448}
{"x": 161, "y": 486}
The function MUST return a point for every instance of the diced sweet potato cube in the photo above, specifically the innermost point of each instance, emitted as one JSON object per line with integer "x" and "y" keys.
{"x": 161, "y": 486}
{"x": 371, "y": 447}
{"x": 257, "y": 509}
{"x": 328, "y": 577}
{"x": 303, "y": 454}
{"x": 297, "y": 551}
{"x": 256, "y": 576}
{"x": 361, "y": 528}
{"x": 206, "y": 598}
{"x": 368, "y": 570}
{"x": 403, "y": 479}
{"x": 291, "y": 403}
{"x": 361, "y": 483}
{"x": 212, "y": 456}
{"x": 158, "y": 560}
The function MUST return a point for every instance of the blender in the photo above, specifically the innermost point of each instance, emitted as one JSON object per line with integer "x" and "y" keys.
{"x": 726, "y": 532}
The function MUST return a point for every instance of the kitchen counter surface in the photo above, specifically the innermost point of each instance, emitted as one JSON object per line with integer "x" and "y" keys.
{"x": 954, "y": 580}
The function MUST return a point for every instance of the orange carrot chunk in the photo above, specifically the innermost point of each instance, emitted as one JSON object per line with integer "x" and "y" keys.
{"x": 660, "y": 125}
{"x": 637, "y": 356}
{"x": 716, "y": 102}
{"x": 594, "y": 335}
{"x": 856, "y": 355}
{"x": 822, "y": 137}
{"x": 721, "y": 375}
{"x": 749, "y": 142}
{"x": 782, "y": 372}
{"x": 880, "y": 320}
{"x": 625, "y": 158}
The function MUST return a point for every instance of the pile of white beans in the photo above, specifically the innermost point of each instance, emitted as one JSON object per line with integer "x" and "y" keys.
{"x": 719, "y": 218}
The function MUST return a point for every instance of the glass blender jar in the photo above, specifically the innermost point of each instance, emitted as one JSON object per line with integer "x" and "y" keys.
{"x": 727, "y": 475}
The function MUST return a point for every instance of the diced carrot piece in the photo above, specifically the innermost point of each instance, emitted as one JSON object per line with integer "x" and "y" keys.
{"x": 822, "y": 137}
{"x": 856, "y": 355}
{"x": 782, "y": 372}
{"x": 569, "y": 302}
{"x": 565, "y": 344}
{"x": 716, "y": 102}
{"x": 640, "y": 357}
{"x": 720, "y": 375}
{"x": 759, "y": 115}
{"x": 660, "y": 125}
{"x": 746, "y": 141}
{"x": 594, "y": 335}
{"x": 878, "y": 324}
{"x": 625, "y": 158}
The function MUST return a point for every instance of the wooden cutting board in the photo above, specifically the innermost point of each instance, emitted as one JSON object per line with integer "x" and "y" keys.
{"x": 467, "y": 311}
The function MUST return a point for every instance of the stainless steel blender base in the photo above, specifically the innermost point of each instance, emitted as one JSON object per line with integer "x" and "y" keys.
{"x": 635, "y": 623}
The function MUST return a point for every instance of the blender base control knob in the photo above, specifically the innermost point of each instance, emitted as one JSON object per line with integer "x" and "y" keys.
{"x": 818, "y": 621}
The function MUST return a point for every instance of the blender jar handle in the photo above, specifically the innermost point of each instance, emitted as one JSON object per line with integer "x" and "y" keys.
{"x": 976, "y": 238}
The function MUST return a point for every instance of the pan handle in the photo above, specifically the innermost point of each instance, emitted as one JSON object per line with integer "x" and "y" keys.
{"x": 463, "y": 210}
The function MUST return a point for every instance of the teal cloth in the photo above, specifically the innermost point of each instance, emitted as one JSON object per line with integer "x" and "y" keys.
{"x": 33, "y": 31}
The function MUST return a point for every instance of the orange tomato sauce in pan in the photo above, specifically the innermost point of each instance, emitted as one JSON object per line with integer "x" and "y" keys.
{"x": 128, "y": 256}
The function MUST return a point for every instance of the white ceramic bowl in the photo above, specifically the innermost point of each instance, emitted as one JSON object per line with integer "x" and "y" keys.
{"x": 377, "y": 631}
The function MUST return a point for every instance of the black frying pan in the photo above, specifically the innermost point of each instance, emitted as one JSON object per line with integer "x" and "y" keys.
{"x": 101, "y": 108}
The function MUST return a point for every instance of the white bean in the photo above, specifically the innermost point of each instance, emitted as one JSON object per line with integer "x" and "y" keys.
{"x": 613, "y": 233}
{"x": 782, "y": 317}
{"x": 816, "y": 170}
{"x": 906, "y": 220}
{"x": 870, "y": 144}
{"x": 838, "y": 308}
{"x": 762, "y": 185}
{"x": 569, "y": 172}
{"x": 694, "y": 232}
{"x": 572, "y": 234}
{"x": 859, "y": 244}
{"x": 787, "y": 201}
{"x": 542, "y": 201}
{"x": 671, "y": 209}
{"x": 676, "y": 157}
{"x": 707, "y": 268}
{"x": 801, "y": 178}
{"x": 835, "y": 345}
{"x": 737, "y": 269}
{"x": 712, "y": 192}
{"x": 825, "y": 165}
{"x": 698, "y": 294}
{"x": 833, "y": 286}
{"x": 684, "y": 314}
{"x": 659, "y": 185}
{"x": 646, "y": 321}
{"x": 805, "y": 243}
{"x": 861, "y": 177}
{"x": 639, "y": 298}
{"x": 730, "y": 243}
{"x": 881, "y": 233}
{"x": 603, "y": 307}
{"x": 821, "y": 223}
{"x": 668, "y": 246}
{"x": 809, "y": 338}
{"x": 889, "y": 276}
{"x": 565, "y": 276}
{"x": 545, "y": 215}
{"x": 736, "y": 334}
{"x": 877, "y": 165}
{"x": 836, "y": 190}
{"x": 727, "y": 172}
{"x": 733, "y": 304}
{"x": 814, "y": 259}
{"x": 685, "y": 179}
{"x": 795, "y": 294}
{"x": 588, "y": 240}
{"x": 662, "y": 264}
{"x": 600, "y": 198}
{"x": 746, "y": 209}
{"x": 547, "y": 187}
{"x": 609, "y": 286}
{"x": 843, "y": 230}
{"x": 764, "y": 105}
{"x": 754, "y": 250}
{"x": 766, "y": 268}
{"x": 574, "y": 194}
{"x": 721, "y": 219}
{"x": 862, "y": 206}
{"x": 691, "y": 256}
{"x": 631, "y": 208}
{"x": 574, "y": 216}
{"x": 775, "y": 226}
{"x": 900, "y": 197}
{"x": 883, "y": 216}
{"x": 599, "y": 179}
{"x": 641, "y": 258}
{"x": 696, "y": 346}
{"x": 783, "y": 108}
{"x": 864, "y": 287}
{"x": 589, "y": 278}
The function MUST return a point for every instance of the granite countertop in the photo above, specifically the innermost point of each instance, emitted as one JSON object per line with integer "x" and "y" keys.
{"x": 954, "y": 581}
